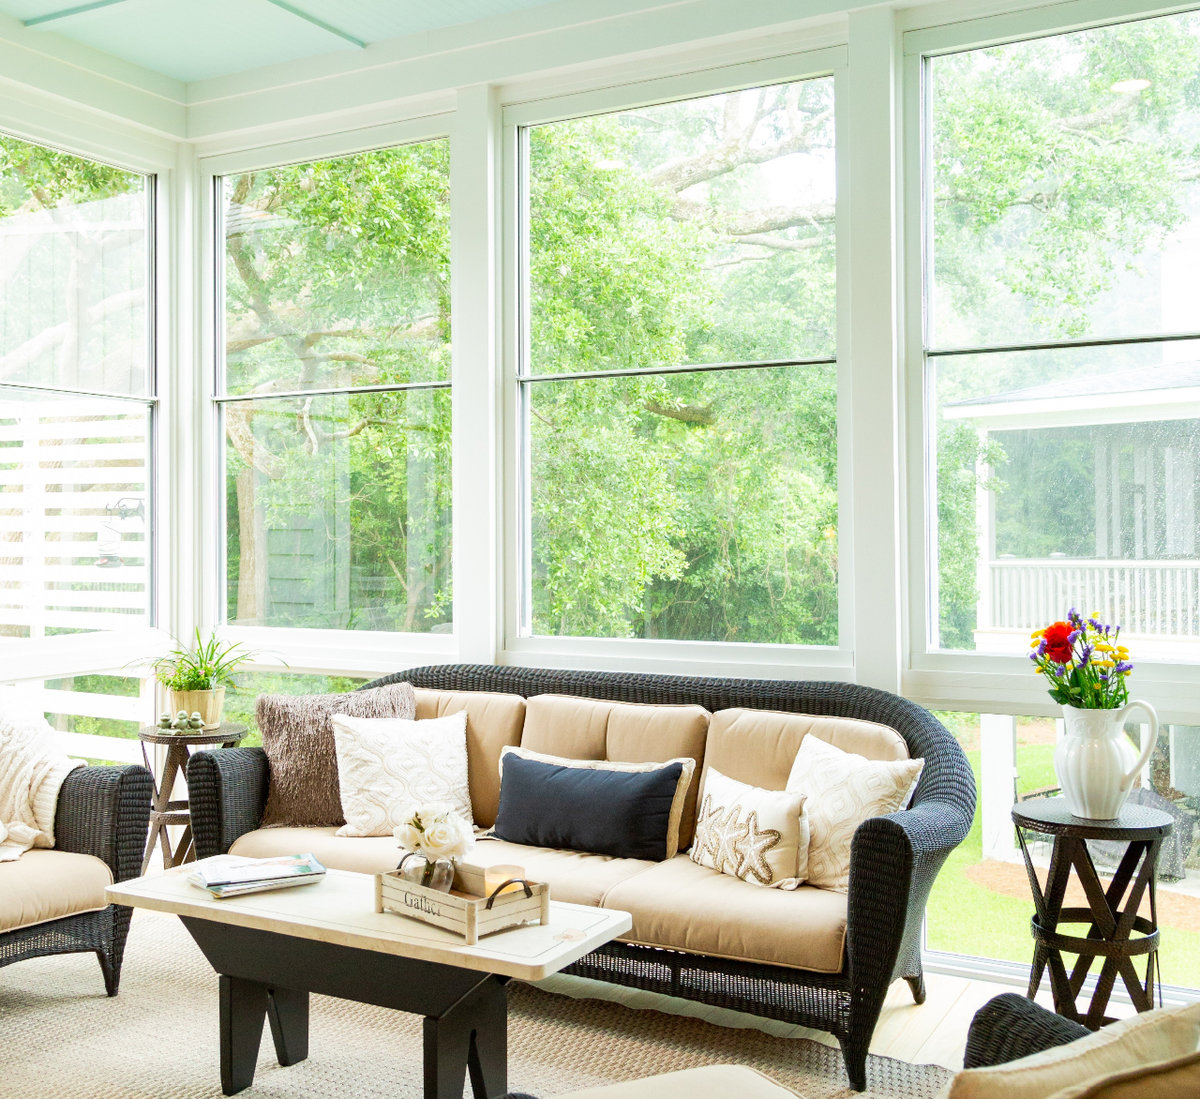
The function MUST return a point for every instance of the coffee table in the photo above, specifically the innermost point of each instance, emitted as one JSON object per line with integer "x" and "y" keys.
{"x": 272, "y": 949}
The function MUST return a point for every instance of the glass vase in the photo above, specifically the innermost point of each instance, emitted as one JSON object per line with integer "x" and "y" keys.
{"x": 431, "y": 873}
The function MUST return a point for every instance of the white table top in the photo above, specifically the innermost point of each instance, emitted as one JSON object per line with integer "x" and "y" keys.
{"x": 341, "y": 910}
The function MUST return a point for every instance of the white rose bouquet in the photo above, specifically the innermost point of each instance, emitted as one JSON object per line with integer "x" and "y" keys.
{"x": 434, "y": 832}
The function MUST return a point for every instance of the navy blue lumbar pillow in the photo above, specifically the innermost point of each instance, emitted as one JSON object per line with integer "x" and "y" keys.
{"x": 627, "y": 814}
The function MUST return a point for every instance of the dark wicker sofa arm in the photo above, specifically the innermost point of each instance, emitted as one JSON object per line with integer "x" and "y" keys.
{"x": 227, "y": 792}
{"x": 1009, "y": 1026}
{"x": 105, "y": 811}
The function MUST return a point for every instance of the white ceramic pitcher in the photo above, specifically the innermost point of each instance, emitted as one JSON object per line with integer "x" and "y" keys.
{"x": 1095, "y": 762}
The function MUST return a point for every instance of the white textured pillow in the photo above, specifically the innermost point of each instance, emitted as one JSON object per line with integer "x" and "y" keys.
{"x": 843, "y": 790}
{"x": 759, "y": 836}
{"x": 387, "y": 765}
{"x": 687, "y": 769}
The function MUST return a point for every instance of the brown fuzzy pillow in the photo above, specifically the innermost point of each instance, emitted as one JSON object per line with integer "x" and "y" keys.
{"x": 298, "y": 740}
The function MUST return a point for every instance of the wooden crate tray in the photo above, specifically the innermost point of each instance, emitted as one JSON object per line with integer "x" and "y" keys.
{"x": 465, "y": 909}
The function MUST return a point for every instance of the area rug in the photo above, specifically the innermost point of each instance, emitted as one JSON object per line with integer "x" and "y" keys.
{"x": 64, "y": 1039}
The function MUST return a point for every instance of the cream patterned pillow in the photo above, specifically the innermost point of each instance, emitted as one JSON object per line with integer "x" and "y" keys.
{"x": 843, "y": 790}
{"x": 389, "y": 765}
{"x": 760, "y": 836}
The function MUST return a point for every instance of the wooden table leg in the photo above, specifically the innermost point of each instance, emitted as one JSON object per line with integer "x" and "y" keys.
{"x": 243, "y": 1007}
{"x": 472, "y": 1034}
{"x": 287, "y": 1012}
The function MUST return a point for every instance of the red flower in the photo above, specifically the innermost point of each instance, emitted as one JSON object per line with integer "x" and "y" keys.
{"x": 1058, "y": 647}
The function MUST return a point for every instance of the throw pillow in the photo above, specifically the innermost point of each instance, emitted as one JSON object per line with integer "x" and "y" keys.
{"x": 387, "y": 766}
{"x": 678, "y": 803}
{"x": 1146, "y": 1039}
{"x": 759, "y": 836}
{"x": 298, "y": 740}
{"x": 620, "y": 809}
{"x": 843, "y": 790}
{"x": 1160, "y": 1080}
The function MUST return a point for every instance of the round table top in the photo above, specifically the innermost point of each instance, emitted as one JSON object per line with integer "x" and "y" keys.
{"x": 223, "y": 733}
{"x": 1051, "y": 815}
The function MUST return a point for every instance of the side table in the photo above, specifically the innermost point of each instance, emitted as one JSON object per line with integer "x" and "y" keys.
{"x": 164, "y": 811}
{"x": 1115, "y": 933}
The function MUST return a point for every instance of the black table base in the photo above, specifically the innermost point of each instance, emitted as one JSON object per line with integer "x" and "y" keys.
{"x": 269, "y": 975}
{"x": 1114, "y": 933}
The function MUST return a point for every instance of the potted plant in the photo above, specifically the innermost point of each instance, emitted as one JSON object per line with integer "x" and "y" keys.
{"x": 196, "y": 677}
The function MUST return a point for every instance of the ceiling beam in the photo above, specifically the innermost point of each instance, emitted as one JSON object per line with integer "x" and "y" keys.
{"x": 329, "y": 27}
{"x": 79, "y": 9}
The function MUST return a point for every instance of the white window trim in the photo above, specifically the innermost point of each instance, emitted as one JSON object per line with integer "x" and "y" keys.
{"x": 666, "y": 656}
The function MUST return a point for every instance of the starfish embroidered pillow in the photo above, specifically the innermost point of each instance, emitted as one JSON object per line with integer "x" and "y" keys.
{"x": 760, "y": 836}
{"x": 843, "y": 790}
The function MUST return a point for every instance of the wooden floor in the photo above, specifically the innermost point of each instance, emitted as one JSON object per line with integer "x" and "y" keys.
{"x": 933, "y": 1033}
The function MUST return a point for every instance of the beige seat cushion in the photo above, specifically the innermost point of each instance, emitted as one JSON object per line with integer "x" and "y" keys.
{"x": 1153, "y": 1037}
{"x": 1172, "y": 1079}
{"x": 758, "y": 747}
{"x": 588, "y": 728}
{"x": 573, "y": 876}
{"x": 710, "y": 1082}
{"x": 493, "y": 720}
{"x": 683, "y": 906}
{"x": 47, "y": 885}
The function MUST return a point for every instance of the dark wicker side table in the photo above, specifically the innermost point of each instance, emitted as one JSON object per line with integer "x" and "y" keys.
{"x": 1115, "y": 932}
{"x": 163, "y": 810}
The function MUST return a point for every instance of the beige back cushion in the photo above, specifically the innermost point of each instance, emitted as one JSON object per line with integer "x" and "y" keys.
{"x": 1155, "y": 1036}
{"x": 758, "y": 747}
{"x": 1172, "y": 1079}
{"x": 493, "y": 720}
{"x": 623, "y": 732}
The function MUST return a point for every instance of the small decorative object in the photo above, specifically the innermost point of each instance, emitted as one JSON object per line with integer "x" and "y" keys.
{"x": 196, "y": 721}
{"x": 469, "y": 910}
{"x": 1086, "y": 667}
{"x": 196, "y": 678}
{"x": 503, "y": 878}
{"x": 164, "y": 721}
{"x": 432, "y": 837}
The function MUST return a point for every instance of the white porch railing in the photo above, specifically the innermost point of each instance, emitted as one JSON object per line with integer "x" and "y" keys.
{"x": 1143, "y": 597}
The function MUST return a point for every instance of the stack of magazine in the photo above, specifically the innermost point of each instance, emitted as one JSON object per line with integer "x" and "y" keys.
{"x": 233, "y": 875}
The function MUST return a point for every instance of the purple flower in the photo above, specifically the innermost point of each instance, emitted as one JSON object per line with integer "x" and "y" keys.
{"x": 1084, "y": 654}
{"x": 1033, "y": 656}
{"x": 1060, "y": 670}
{"x": 1103, "y": 674}
{"x": 1096, "y": 625}
{"x": 1123, "y": 667}
{"x": 1073, "y": 636}
{"x": 1041, "y": 649}
{"x": 1073, "y": 617}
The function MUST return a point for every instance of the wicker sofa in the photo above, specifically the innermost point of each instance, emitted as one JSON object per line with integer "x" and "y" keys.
{"x": 894, "y": 859}
{"x": 52, "y": 901}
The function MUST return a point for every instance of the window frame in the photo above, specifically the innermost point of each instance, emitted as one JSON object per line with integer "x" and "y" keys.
{"x": 300, "y": 649}
{"x": 708, "y": 657}
{"x": 956, "y": 680}
{"x": 77, "y": 134}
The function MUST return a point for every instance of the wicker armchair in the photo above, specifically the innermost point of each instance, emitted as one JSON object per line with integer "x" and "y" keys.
{"x": 894, "y": 859}
{"x": 1010, "y": 1026}
{"x": 102, "y": 811}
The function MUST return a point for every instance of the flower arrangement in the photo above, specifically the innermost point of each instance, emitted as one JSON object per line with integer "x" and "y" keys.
{"x": 434, "y": 832}
{"x": 1083, "y": 661}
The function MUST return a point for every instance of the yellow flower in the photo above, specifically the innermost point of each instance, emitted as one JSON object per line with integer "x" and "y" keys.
{"x": 1103, "y": 647}
{"x": 1104, "y": 663}
{"x": 1122, "y": 651}
{"x": 1039, "y": 671}
{"x": 1036, "y": 634}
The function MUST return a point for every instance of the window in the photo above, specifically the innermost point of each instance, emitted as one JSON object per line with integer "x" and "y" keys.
{"x": 77, "y": 407}
{"x": 1062, "y": 367}
{"x": 334, "y": 392}
{"x": 678, "y": 381}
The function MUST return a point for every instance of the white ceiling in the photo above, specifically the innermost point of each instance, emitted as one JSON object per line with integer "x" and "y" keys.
{"x": 197, "y": 39}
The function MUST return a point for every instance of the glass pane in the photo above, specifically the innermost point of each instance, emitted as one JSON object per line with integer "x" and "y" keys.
{"x": 692, "y": 232}
{"x": 985, "y": 875}
{"x": 337, "y": 273}
{"x": 693, "y": 506}
{"x": 240, "y": 700}
{"x": 1064, "y": 186}
{"x": 74, "y": 502}
{"x": 338, "y": 511}
{"x": 74, "y": 271}
{"x": 1069, "y": 478}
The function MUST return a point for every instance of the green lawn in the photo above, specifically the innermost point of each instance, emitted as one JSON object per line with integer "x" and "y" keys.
{"x": 966, "y": 918}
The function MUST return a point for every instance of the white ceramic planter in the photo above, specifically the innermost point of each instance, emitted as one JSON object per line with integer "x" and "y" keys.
{"x": 1095, "y": 763}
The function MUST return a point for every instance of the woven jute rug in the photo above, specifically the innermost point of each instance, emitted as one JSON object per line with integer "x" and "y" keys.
{"x": 64, "y": 1039}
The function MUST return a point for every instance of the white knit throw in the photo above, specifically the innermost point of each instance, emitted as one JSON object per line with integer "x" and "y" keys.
{"x": 32, "y": 771}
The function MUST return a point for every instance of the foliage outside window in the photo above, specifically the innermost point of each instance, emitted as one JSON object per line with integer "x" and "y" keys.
{"x": 1064, "y": 241}
{"x": 679, "y": 381}
{"x": 335, "y": 398}
{"x": 75, "y": 251}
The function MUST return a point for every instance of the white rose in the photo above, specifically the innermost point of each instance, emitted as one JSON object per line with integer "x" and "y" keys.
{"x": 407, "y": 836}
{"x": 447, "y": 838}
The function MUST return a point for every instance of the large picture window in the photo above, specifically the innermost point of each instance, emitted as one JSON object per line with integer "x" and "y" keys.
{"x": 678, "y": 382}
{"x": 335, "y": 392}
{"x": 1063, "y": 371}
{"x": 77, "y": 407}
